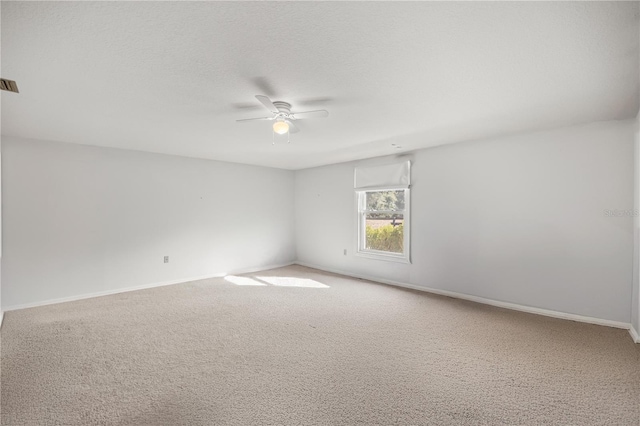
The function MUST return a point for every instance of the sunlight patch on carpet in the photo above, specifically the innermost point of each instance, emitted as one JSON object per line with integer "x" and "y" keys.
{"x": 233, "y": 279}
{"x": 293, "y": 282}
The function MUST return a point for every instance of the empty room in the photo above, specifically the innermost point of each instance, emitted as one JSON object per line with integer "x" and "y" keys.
{"x": 320, "y": 213}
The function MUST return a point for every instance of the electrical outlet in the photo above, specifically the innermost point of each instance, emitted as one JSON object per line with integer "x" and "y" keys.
{"x": 345, "y": 252}
{"x": 166, "y": 259}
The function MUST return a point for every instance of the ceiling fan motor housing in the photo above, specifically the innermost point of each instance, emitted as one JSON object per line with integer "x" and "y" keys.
{"x": 284, "y": 107}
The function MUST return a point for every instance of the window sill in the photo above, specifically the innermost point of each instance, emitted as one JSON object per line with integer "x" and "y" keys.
{"x": 378, "y": 255}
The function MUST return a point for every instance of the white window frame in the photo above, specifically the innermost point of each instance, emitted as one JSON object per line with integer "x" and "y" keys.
{"x": 361, "y": 250}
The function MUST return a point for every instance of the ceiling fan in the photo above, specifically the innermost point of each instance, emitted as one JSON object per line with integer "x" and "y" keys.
{"x": 283, "y": 117}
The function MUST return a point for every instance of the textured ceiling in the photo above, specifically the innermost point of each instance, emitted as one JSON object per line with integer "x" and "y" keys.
{"x": 173, "y": 77}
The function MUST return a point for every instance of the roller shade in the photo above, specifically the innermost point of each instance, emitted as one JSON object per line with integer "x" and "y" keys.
{"x": 390, "y": 176}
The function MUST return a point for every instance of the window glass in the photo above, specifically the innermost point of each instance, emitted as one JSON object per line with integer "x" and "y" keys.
{"x": 383, "y": 224}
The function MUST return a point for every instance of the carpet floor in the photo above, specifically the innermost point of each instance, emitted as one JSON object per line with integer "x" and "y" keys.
{"x": 297, "y": 346}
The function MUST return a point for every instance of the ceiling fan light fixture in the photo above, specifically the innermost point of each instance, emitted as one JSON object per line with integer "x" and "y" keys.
{"x": 280, "y": 127}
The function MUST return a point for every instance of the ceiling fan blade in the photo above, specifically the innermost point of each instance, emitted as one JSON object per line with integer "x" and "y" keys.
{"x": 292, "y": 127}
{"x": 267, "y": 103}
{"x": 313, "y": 101}
{"x": 255, "y": 119}
{"x": 246, "y": 106}
{"x": 310, "y": 114}
{"x": 264, "y": 85}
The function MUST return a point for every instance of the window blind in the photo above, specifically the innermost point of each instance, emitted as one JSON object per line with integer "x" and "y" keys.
{"x": 389, "y": 176}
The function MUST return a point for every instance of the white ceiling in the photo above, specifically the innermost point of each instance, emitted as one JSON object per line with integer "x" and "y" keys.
{"x": 173, "y": 77}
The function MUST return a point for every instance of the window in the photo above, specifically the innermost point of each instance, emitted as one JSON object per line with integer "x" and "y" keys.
{"x": 382, "y": 193}
{"x": 383, "y": 224}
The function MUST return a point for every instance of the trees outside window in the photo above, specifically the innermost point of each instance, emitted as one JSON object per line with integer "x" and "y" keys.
{"x": 383, "y": 224}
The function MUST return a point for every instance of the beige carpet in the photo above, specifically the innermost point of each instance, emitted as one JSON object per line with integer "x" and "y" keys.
{"x": 309, "y": 348}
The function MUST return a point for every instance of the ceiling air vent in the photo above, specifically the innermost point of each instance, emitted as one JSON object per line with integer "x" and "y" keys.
{"x": 8, "y": 85}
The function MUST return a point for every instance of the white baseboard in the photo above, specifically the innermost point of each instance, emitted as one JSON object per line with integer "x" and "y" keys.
{"x": 634, "y": 334}
{"x": 507, "y": 305}
{"x": 141, "y": 287}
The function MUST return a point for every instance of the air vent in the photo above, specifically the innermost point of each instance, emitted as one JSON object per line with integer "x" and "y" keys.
{"x": 8, "y": 85}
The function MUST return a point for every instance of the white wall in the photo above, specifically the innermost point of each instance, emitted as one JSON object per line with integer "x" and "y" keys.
{"x": 635, "y": 298}
{"x": 518, "y": 219}
{"x": 1, "y": 309}
{"x": 80, "y": 219}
